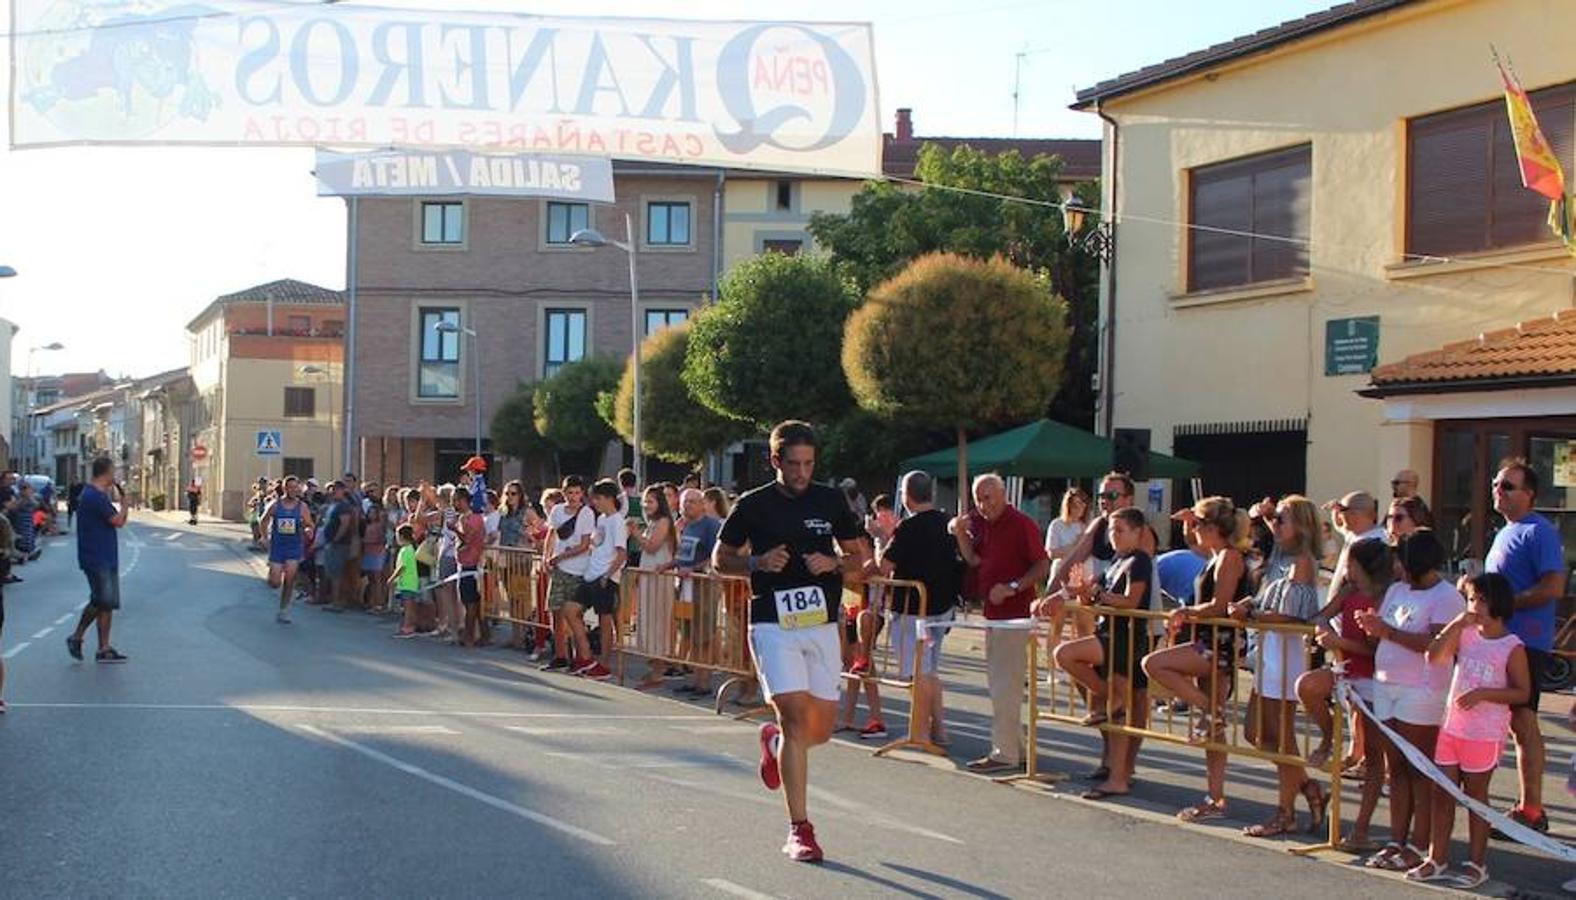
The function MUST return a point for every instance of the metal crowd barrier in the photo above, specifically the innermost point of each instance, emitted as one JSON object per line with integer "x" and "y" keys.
{"x": 691, "y": 619}
{"x": 883, "y": 657}
{"x": 514, "y": 588}
{"x": 1063, "y": 702}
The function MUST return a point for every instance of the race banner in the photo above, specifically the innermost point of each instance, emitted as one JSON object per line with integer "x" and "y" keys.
{"x": 432, "y": 172}
{"x": 782, "y": 96}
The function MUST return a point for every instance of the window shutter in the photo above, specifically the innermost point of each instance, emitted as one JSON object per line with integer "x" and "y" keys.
{"x": 1449, "y": 185}
{"x": 1216, "y": 259}
{"x": 1282, "y": 203}
{"x": 1269, "y": 195}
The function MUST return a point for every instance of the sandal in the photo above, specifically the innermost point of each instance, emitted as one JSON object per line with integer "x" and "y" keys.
{"x": 1428, "y": 870}
{"x": 1399, "y": 861}
{"x": 1203, "y": 812}
{"x": 1101, "y": 794}
{"x": 1279, "y": 825}
{"x": 1318, "y": 805}
{"x": 1208, "y": 729}
{"x": 1351, "y": 845}
{"x": 1381, "y": 859}
{"x": 1098, "y": 717}
{"x": 1472, "y": 875}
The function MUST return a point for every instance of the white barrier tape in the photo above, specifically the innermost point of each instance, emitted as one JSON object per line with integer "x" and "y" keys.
{"x": 1516, "y": 831}
{"x": 922, "y": 625}
{"x": 467, "y": 573}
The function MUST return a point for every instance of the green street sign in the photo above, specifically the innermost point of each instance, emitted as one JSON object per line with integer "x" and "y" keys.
{"x": 1351, "y": 346}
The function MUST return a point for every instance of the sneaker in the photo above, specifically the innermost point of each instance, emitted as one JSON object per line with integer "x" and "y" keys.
{"x": 1520, "y": 817}
{"x": 558, "y": 664}
{"x": 801, "y": 846}
{"x": 873, "y": 730}
{"x": 771, "y": 775}
{"x": 283, "y": 618}
{"x": 109, "y": 655}
{"x": 74, "y": 647}
{"x": 596, "y": 672}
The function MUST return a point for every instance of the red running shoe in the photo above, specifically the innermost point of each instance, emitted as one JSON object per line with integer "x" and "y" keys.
{"x": 801, "y": 846}
{"x": 770, "y": 775}
{"x": 595, "y": 671}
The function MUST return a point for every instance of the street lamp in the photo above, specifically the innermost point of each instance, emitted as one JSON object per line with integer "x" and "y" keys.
{"x": 447, "y": 327}
{"x": 590, "y": 237}
{"x": 32, "y": 443}
{"x": 1098, "y": 242}
{"x": 313, "y": 369}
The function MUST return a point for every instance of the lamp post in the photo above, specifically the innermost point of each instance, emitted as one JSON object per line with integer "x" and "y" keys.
{"x": 446, "y": 327}
{"x": 32, "y": 444}
{"x": 590, "y": 237}
{"x": 314, "y": 369}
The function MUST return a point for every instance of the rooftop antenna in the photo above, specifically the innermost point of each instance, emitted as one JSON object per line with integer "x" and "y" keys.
{"x": 1017, "y": 80}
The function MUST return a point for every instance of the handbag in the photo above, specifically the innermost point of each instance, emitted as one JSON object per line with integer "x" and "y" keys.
{"x": 427, "y": 551}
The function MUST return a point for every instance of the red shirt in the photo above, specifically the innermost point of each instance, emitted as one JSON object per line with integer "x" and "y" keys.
{"x": 1007, "y": 547}
{"x": 473, "y": 534}
{"x": 1357, "y": 665}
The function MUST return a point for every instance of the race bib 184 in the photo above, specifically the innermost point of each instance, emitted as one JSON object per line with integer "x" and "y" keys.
{"x": 801, "y": 607}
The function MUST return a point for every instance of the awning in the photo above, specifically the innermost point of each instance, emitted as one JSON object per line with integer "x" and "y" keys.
{"x": 1044, "y": 449}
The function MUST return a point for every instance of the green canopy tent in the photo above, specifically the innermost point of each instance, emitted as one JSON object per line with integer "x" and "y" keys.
{"x": 1044, "y": 449}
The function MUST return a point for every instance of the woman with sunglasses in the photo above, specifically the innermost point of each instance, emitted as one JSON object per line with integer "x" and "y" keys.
{"x": 511, "y": 516}
{"x": 1204, "y": 657}
{"x": 1406, "y": 515}
{"x": 1287, "y": 594}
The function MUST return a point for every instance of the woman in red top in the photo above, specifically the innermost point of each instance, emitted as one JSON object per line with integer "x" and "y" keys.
{"x": 1372, "y": 568}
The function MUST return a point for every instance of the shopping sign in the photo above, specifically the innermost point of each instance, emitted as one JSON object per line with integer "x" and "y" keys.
{"x": 784, "y": 96}
{"x": 269, "y": 443}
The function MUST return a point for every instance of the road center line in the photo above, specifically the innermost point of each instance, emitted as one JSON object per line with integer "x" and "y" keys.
{"x": 557, "y": 730}
{"x": 14, "y": 651}
{"x": 350, "y": 710}
{"x": 65, "y": 618}
{"x": 458, "y": 788}
{"x": 43, "y": 633}
{"x": 173, "y": 536}
{"x": 394, "y": 729}
{"x": 737, "y": 890}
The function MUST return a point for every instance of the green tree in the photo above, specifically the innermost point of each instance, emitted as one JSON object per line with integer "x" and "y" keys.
{"x": 957, "y": 342}
{"x": 890, "y": 225}
{"x": 513, "y": 428}
{"x": 674, "y": 425}
{"x": 867, "y": 447}
{"x": 768, "y": 349}
{"x": 564, "y": 406}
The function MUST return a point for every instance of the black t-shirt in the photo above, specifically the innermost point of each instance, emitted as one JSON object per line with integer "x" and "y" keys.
{"x": 1137, "y": 566}
{"x": 810, "y": 523}
{"x": 923, "y": 550}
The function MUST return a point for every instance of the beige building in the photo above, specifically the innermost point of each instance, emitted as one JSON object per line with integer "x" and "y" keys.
{"x": 769, "y": 212}
{"x": 266, "y": 359}
{"x": 1298, "y": 205}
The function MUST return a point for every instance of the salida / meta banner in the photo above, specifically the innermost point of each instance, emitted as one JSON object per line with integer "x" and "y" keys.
{"x": 429, "y": 172}
{"x": 765, "y": 95}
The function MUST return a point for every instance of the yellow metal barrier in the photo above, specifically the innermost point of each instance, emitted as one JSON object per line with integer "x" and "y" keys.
{"x": 687, "y": 619}
{"x": 514, "y": 588}
{"x": 888, "y": 589}
{"x": 1228, "y": 636}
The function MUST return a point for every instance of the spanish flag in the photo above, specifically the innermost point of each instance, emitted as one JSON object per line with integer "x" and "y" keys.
{"x": 1540, "y": 168}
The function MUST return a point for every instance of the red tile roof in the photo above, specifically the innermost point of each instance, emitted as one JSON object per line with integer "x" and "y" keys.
{"x": 1080, "y": 157}
{"x": 1537, "y": 350}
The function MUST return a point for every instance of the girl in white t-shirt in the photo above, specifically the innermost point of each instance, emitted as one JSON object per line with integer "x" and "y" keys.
{"x": 1060, "y": 537}
{"x": 1410, "y": 691}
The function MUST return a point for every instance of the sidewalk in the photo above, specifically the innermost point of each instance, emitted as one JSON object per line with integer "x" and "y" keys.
{"x": 1171, "y": 776}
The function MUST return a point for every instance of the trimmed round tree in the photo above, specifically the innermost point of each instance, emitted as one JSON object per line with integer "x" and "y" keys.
{"x": 674, "y": 425}
{"x": 513, "y": 428}
{"x": 960, "y": 343}
{"x": 768, "y": 349}
{"x": 564, "y": 406}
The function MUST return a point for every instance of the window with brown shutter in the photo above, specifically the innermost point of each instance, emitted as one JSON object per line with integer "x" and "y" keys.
{"x": 1464, "y": 192}
{"x": 1252, "y": 219}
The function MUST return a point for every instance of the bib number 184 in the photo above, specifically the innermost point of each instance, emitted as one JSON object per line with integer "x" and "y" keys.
{"x": 801, "y": 607}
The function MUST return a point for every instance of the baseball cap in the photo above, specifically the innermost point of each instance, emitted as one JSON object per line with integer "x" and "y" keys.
{"x": 1356, "y": 501}
{"x": 474, "y": 464}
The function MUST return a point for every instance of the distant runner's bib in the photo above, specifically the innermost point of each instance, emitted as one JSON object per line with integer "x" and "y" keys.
{"x": 287, "y": 525}
{"x": 801, "y": 607}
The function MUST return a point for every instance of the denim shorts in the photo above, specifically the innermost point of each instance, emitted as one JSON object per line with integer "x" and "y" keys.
{"x": 103, "y": 588}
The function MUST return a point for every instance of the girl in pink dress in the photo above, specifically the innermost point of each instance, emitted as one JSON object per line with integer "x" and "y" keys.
{"x": 1491, "y": 676}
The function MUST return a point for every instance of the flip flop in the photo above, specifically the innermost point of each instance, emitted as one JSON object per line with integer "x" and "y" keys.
{"x": 1101, "y": 794}
{"x": 1203, "y": 812}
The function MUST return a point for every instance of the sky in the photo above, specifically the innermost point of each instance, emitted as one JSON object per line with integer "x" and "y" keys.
{"x": 116, "y": 249}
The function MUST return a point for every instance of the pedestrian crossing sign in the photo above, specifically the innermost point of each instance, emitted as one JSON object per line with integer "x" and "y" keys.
{"x": 269, "y": 443}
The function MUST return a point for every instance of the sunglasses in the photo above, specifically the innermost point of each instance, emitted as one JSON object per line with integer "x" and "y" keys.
{"x": 1110, "y": 495}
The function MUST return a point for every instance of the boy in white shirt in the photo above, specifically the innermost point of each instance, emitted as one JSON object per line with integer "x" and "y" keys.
{"x": 599, "y": 589}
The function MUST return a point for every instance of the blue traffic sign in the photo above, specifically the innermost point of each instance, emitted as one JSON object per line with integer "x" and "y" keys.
{"x": 269, "y": 443}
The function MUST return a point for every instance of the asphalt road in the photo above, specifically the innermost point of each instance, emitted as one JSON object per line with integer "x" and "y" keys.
{"x": 235, "y": 757}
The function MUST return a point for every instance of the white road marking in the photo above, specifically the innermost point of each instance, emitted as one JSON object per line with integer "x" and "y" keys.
{"x": 715, "y": 729}
{"x": 393, "y": 729}
{"x": 737, "y": 890}
{"x": 461, "y": 789}
{"x": 65, "y": 618}
{"x": 173, "y": 536}
{"x": 556, "y": 730}
{"x": 43, "y": 633}
{"x": 136, "y": 557}
{"x": 348, "y": 710}
{"x": 14, "y": 651}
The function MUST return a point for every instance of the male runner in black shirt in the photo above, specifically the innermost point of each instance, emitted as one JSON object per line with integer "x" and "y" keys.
{"x": 794, "y": 529}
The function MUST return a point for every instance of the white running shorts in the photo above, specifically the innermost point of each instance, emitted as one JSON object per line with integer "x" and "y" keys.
{"x": 798, "y": 659}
